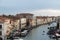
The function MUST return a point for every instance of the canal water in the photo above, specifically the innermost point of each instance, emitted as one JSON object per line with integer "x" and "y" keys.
{"x": 39, "y": 33}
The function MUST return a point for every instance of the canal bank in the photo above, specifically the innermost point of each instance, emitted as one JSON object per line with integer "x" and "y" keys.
{"x": 26, "y": 31}
{"x": 39, "y": 33}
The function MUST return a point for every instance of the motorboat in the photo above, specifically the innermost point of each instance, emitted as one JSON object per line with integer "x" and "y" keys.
{"x": 20, "y": 39}
{"x": 57, "y": 34}
{"x": 24, "y": 33}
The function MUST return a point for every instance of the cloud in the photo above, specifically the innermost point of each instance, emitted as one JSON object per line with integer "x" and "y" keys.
{"x": 46, "y": 12}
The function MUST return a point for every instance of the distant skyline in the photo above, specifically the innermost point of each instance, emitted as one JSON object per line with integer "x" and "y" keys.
{"x": 17, "y": 6}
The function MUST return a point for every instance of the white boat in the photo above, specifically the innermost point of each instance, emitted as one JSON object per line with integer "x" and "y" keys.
{"x": 57, "y": 34}
{"x": 24, "y": 33}
{"x": 20, "y": 39}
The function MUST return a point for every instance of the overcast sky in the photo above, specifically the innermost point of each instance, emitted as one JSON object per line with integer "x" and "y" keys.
{"x": 15, "y": 6}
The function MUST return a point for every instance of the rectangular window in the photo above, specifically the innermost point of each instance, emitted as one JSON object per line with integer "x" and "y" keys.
{"x": 0, "y": 26}
{"x": 0, "y": 32}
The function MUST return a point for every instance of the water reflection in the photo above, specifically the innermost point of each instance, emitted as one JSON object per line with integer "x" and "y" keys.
{"x": 39, "y": 33}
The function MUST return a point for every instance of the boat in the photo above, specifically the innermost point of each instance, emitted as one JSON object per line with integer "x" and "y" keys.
{"x": 24, "y": 33}
{"x": 52, "y": 36}
{"x": 57, "y": 34}
{"x": 20, "y": 39}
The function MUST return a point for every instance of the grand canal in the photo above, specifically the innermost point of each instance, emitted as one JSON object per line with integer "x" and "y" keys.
{"x": 39, "y": 33}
